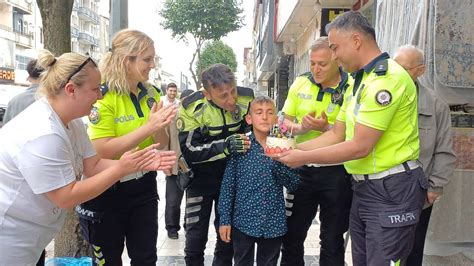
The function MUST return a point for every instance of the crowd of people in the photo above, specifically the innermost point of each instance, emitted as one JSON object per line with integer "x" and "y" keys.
{"x": 373, "y": 153}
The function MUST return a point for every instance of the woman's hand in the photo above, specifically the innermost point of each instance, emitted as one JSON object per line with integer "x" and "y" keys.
{"x": 149, "y": 159}
{"x": 160, "y": 117}
{"x": 163, "y": 161}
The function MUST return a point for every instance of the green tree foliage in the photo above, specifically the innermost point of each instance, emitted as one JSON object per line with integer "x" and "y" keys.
{"x": 216, "y": 52}
{"x": 202, "y": 19}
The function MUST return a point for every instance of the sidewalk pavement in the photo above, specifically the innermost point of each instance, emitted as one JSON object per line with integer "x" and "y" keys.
{"x": 171, "y": 252}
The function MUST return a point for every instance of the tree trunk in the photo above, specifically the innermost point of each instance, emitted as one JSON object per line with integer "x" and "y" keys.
{"x": 197, "y": 52}
{"x": 56, "y": 16}
{"x": 69, "y": 241}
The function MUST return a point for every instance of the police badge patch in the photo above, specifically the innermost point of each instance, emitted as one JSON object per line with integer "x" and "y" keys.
{"x": 336, "y": 97}
{"x": 94, "y": 116}
{"x": 236, "y": 113}
{"x": 383, "y": 97}
{"x": 180, "y": 124}
{"x": 150, "y": 102}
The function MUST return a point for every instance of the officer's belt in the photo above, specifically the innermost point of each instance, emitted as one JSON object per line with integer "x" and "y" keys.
{"x": 394, "y": 170}
{"x": 136, "y": 175}
{"x": 322, "y": 165}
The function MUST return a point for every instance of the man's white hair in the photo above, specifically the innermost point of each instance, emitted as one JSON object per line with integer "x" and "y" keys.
{"x": 419, "y": 56}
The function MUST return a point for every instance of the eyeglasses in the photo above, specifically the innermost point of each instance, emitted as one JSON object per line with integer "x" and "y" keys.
{"x": 79, "y": 68}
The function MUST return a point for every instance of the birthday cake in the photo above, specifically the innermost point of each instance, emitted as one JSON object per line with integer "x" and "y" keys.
{"x": 280, "y": 138}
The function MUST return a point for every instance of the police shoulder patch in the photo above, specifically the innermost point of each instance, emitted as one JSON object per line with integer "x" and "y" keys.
{"x": 244, "y": 91}
{"x": 192, "y": 98}
{"x": 94, "y": 116}
{"x": 180, "y": 124}
{"x": 383, "y": 97}
{"x": 150, "y": 102}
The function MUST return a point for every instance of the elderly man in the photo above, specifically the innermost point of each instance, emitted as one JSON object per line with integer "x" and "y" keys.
{"x": 376, "y": 136}
{"x": 436, "y": 142}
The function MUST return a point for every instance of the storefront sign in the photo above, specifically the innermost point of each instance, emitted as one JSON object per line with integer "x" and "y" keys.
{"x": 328, "y": 15}
{"x": 7, "y": 75}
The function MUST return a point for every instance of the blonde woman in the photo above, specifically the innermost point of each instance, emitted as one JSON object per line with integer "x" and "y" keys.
{"x": 128, "y": 116}
{"x": 45, "y": 151}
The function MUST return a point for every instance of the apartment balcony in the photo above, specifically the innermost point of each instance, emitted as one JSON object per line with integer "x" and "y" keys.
{"x": 74, "y": 32}
{"x": 87, "y": 14}
{"x": 7, "y": 32}
{"x": 86, "y": 38}
{"x": 22, "y": 6}
{"x": 25, "y": 40}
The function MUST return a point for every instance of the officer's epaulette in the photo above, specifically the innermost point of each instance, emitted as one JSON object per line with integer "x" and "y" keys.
{"x": 244, "y": 91}
{"x": 381, "y": 67}
{"x": 309, "y": 76}
{"x": 104, "y": 88}
{"x": 306, "y": 75}
{"x": 157, "y": 89}
{"x": 192, "y": 98}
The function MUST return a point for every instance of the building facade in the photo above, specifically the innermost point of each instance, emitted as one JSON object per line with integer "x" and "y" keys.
{"x": 21, "y": 35}
{"x": 283, "y": 33}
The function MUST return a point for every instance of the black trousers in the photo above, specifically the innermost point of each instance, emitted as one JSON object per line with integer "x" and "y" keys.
{"x": 416, "y": 256}
{"x": 329, "y": 189}
{"x": 197, "y": 218}
{"x": 41, "y": 260}
{"x": 129, "y": 212}
{"x": 268, "y": 249}
{"x": 174, "y": 196}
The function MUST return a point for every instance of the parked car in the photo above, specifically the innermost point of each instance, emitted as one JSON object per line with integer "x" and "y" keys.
{"x": 7, "y": 92}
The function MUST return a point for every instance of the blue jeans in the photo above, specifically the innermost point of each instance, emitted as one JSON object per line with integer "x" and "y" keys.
{"x": 268, "y": 249}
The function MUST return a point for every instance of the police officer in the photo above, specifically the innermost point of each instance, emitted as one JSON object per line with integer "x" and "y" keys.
{"x": 376, "y": 136}
{"x": 436, "y": 143}
{"x": 126, "y": 118}
{"x": 211, "y": 124}
{"x": 314, "y": 101}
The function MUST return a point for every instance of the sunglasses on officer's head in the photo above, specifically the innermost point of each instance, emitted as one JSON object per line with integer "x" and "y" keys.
{"x": 79, "y": 68}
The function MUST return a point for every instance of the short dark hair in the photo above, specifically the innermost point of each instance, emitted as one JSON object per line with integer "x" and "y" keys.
{"x": 33, "y": 69}
{"x": 217, "y": 75}
{"x": 171, "y": 85}
{"x": 352, "y": 20}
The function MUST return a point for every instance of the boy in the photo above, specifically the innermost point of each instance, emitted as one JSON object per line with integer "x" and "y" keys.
{"x": 251, "y": 203}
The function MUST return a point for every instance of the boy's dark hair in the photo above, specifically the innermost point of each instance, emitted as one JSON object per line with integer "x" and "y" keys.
{"x": 217, "y": 75}
{"x": 352, "y": 21}
{"x": 261, "y": 99}
{"x": 171, "y": 85}
{"x": 33, "y": 69}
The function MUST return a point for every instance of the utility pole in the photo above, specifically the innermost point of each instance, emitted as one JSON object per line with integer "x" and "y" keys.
{"x": 118, "y": 16}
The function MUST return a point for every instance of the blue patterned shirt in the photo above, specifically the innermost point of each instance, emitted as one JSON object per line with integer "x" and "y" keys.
{"x": 251, "y": 197}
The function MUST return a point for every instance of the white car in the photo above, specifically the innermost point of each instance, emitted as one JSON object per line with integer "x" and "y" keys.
{"x": 7, "y": 92}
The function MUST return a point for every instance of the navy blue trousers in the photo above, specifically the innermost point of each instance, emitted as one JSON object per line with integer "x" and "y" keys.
{"x": 384, "y": 216}
{"x": 268, "y": 249}
{"x": 128, "y": 213}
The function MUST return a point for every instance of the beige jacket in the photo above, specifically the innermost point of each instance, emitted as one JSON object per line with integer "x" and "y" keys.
{"x": 436, "y": 139}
